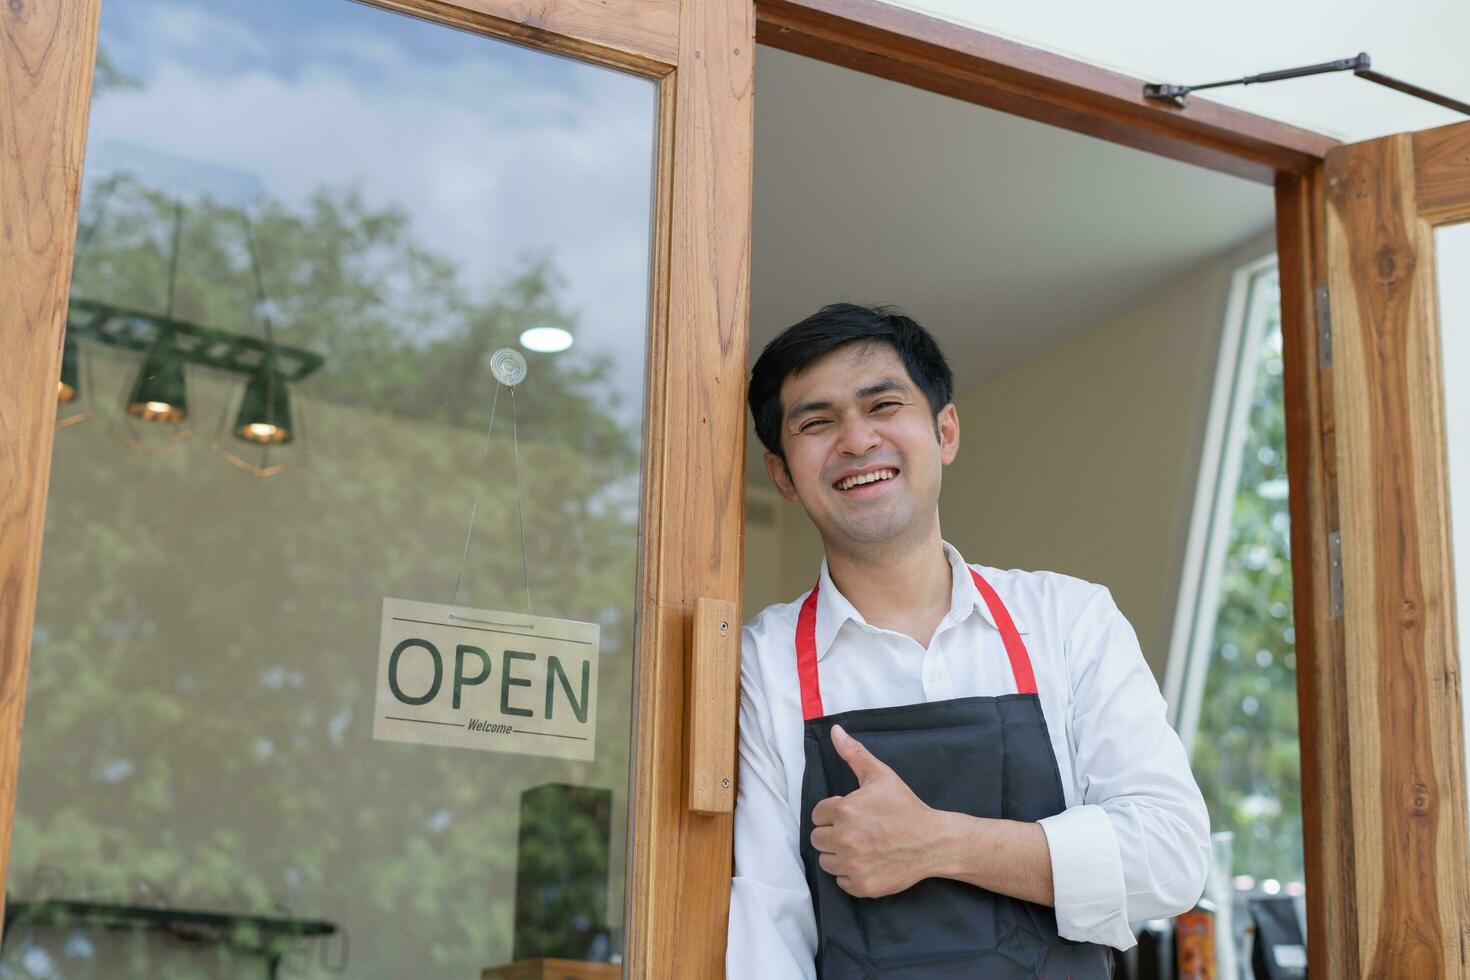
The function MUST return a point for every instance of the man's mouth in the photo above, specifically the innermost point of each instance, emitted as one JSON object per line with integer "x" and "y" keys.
{"x": 862, "y": 479}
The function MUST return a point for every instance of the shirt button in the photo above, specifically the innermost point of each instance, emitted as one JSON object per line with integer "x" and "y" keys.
{"x": 931, "y": 674}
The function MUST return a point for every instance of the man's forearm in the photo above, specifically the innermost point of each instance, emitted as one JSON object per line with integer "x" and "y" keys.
{"x": 1004, "y": 856}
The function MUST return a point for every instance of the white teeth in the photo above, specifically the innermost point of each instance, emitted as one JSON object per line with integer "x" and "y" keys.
{"x": 854, "y": 481}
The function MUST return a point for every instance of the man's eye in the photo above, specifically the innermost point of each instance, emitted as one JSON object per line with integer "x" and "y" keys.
{"x": 807, "y": 425}
{"x": 887, "y": 404}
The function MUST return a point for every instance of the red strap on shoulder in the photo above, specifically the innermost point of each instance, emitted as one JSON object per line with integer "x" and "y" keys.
{"x": 1009, "y": 635}
{"x": 806, "y": 657}
{"x": 806, "y": 647}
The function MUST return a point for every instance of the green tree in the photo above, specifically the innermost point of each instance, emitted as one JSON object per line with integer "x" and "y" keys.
{"x": 1246, "y": 752}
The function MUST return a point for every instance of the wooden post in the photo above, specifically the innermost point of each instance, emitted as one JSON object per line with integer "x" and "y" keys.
{"x": 47, "y": 50}
{"x": 1399, "y": 816}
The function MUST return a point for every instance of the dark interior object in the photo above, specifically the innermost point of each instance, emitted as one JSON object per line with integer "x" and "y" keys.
{"x": 562, "y": 873}
{"x": 1280, "y": 951}
{"x": 1153, "y": 957}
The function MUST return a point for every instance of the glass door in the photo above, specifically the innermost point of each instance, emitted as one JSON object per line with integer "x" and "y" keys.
{"x": 392, "y": 448}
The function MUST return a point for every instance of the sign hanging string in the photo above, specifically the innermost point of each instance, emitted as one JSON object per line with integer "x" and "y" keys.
{"x": 509, "y": 368}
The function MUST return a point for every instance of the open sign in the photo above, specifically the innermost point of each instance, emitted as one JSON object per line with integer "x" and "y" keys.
{"x": 485, "y": 679}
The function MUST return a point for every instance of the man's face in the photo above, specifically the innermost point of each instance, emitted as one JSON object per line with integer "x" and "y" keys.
{"x": 856, "y": 413}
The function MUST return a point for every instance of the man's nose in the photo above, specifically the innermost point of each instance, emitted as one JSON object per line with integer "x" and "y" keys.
{"x": 858, "y": 438}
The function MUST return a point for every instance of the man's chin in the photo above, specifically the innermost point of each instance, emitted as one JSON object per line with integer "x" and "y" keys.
{"x": 871, "y": 532}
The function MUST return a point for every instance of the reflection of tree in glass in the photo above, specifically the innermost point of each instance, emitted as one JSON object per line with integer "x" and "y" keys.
{"x": 1246, "y": 753}
{"x": 201, "y": 692}
{"x": 561, "y": 873}
{"x": 350, "y": 282}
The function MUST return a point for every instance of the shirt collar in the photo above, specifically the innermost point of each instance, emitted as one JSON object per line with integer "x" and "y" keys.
{"x": 833, "y": 609}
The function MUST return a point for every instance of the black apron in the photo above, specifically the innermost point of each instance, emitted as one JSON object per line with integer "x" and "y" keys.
{"x": 986, "y": 757}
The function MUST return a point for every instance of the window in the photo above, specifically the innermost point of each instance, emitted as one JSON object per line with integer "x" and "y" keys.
{"x": 1232, "y": 676}
{"x": 387, "y": 203}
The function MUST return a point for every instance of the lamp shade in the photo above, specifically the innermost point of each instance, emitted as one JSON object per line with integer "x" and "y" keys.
{"x": 71, "y": 371}
{"x": 265, "y": 409}
{"x": 158, "y": 394}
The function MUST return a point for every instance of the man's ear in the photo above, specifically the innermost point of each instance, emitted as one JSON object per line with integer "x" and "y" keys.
{"x": 781, "y": 477}
{"x": 948, "y": 424}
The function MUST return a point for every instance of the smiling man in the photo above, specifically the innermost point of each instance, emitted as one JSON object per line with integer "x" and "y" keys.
{"x": 946, "y": 769}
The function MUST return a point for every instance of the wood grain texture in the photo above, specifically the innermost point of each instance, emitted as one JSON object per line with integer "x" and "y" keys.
{"x": 639, "y": 35}
{"x": 1327, "y": 806}
{"x": 1442, "y": 173}
{"x": 714, "y": 700}
{"x": 47, "y": 50}
{"x": 881, "y": 39}
{"x": 679, "y": 872}
{"x": 550, "y": 968}
{"x": 1403, "y": 720}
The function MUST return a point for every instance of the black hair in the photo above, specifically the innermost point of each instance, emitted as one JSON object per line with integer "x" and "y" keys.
{"x": 834, "y": 326}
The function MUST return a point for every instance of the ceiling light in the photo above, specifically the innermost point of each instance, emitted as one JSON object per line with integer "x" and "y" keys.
{"x": 158, "y": 395}
{"x": 546, "y": 340}
{"x": 71, "y": 371}
{"x": 265, "y": 410}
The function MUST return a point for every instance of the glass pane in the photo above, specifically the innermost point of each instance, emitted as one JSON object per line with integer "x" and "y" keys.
{"x": 1452, "y": 262}
{"x": 1246, "y": 754}
{"x": 306, "y": 226}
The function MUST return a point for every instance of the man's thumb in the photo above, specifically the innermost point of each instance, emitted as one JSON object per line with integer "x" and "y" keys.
{"x": 864, "y": 764}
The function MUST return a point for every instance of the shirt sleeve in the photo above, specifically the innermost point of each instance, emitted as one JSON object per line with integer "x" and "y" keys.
{"x": 773, "y": 932}
{"x": 1137, "y": 845}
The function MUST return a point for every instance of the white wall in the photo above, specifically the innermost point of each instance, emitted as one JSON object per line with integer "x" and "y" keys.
{"x": 1419, "y": 41}
{"x": 1081, "y": 460}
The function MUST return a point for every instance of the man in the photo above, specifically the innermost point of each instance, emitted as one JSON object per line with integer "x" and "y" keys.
{"x": 946, "y": 770}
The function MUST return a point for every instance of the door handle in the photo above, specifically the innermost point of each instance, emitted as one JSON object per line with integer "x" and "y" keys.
{"x": 714, "y": 695}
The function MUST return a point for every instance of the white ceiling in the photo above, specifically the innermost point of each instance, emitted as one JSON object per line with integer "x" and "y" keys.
{"x": 1418, "y": 41}
{"x": 1001, "y": 235}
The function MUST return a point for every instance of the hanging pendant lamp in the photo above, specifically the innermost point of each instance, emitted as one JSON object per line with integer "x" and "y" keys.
{"x": 159, "y": 394}
{"x": 264, "y": 419}
{"x": 71, "y": 371}
{"x": 69, "y": 385}
{"x": 265, "y": 409}
{"x": 74, "y": 388}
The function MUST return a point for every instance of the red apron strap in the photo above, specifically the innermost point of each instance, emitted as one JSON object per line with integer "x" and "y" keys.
{"x": 806, "y": 657}
{"x": 806, "y": 647}
{"x": 1009, "y": 635}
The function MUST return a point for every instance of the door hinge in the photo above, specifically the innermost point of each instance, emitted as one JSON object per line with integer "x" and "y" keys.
{"x": 1324, "y": 327}
{"x": 1334, "y": 573}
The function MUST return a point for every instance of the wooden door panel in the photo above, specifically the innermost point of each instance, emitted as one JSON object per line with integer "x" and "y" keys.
{"x": 1399, "y": 816}
{"x": 701, "y": 54}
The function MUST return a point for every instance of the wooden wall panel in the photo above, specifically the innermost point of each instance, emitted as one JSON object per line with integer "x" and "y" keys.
{"x": 47, "y": 49}
{"x": 1401, "y": 666}
{"x": 1311, "y": 460}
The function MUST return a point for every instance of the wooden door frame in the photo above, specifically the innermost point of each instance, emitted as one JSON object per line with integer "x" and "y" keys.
{"x": 1404, "y": 832}
{"x": 1355, "y": 923}
{"x": 700, "y": 53}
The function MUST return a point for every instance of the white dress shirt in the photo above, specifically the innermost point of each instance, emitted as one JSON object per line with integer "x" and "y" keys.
{"x": 1133, "y": 841}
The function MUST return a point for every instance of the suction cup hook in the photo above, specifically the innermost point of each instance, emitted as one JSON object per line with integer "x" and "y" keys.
{"x": 508, "y": 366}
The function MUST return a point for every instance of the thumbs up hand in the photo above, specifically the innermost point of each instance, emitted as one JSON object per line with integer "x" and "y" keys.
{"x": 876, "y": 840}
